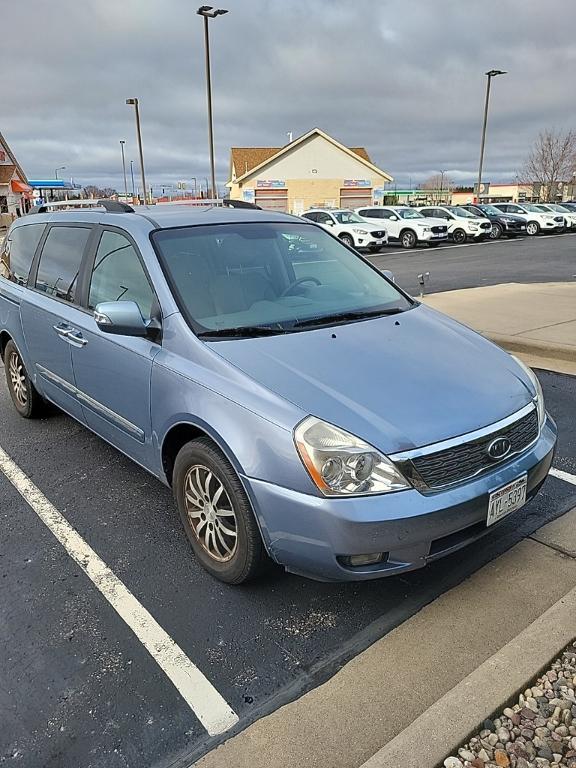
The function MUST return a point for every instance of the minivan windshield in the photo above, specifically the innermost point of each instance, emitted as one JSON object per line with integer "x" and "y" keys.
{"x": 250, "y": 279}
{"x": 409, "y": 213}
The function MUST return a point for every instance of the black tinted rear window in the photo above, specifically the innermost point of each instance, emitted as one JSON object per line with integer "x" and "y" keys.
{"x": 18, "y": 252}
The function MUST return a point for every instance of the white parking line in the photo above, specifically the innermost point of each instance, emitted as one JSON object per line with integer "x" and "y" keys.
{"x": 561, "y": 475}
{"x": 210, "y": 708}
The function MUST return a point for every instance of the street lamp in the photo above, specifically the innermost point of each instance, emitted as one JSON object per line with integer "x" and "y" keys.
{"x": 61, "y": 168}
{"x": 132, "y": 174}
{"x": 442, "y": 185}
{"x": 208, "y": 12}
{"x": 122, "y": 142}
{"x": 492, "y": 73}
{"x": 135, "y": 104}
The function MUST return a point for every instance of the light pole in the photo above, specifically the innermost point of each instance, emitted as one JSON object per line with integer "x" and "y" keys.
{"x": 61, "y": 168}
{"x": 208, "y": 12}
{"x": 132, "y": 174}
{"x": 122, "y": 142}
{"x": 135, "y": 104}
{"x": 442, "y": 186}
{"x": 492, "y": 73}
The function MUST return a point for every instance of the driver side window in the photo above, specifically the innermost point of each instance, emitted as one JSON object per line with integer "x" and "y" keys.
{"x": 118, "y": 275}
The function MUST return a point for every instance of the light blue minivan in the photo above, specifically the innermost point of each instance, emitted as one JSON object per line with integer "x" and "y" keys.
{"x": 302, "y": 407}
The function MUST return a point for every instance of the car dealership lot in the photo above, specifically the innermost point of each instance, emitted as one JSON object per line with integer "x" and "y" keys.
{"x": 80, "y": 689}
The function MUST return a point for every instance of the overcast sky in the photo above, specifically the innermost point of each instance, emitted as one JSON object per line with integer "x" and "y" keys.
{"x": 404, "y": 78}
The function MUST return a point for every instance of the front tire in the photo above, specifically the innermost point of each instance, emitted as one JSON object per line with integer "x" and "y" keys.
{"x": 27, "y": 401}
{"x": 496, "y": 231}
{"x": 532, "y": 228}
{"x": 216, "y": 513}
{"x": 408, "y": 239}
{"x": 347, "y": 240}
{"x": 459, "y": 236}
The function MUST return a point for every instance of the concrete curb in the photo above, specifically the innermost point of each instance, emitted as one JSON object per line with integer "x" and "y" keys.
{"x": 533, "y": 347}
{"x": 453, "y": 718}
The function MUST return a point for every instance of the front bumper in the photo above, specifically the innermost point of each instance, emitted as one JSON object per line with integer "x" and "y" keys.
{"x": 515, "y": 228}
{"x": 308, "y": 534}
{"x": 432, "y": 237}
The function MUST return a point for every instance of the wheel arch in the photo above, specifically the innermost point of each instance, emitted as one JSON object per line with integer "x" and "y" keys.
{"x": 4, "y": 339}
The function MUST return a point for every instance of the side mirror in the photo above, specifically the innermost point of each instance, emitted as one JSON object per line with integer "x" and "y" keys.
{"x": 329, "y": 222}
{"x": 393, "y": 218}
{"x": 122, "y": 318}
{"x": 390, "y": 275}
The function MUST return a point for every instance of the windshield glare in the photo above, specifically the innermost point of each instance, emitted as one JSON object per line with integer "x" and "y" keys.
{"x": 409, "y": 213}
{"x": 491, "y": 210}
{"x": 348, "y": 217}
{"x": 533, "y": 208}
{"x": 269, "y": 275}
{"x": 462, "y": 212}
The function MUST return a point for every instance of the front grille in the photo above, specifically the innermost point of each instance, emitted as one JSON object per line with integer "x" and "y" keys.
{"x": 438, "y": 230}
{"x": 485, "y": 225}
{"x": 378, "y": 234}
{"x": 468, "y": 459}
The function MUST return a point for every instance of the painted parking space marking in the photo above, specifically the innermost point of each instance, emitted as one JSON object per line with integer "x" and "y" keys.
{"x": 453, "y": 246}
{"x": 561, "y": 475}
{"x": 208, "y": 705}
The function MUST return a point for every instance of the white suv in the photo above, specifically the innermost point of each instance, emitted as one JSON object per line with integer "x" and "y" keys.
{"x": 461, "y": 223}
{"x": 559, "y": 210}
{"x": 536, "y": 220}
{"x": 349, "y": 227}
{"x": 406, "y": 224}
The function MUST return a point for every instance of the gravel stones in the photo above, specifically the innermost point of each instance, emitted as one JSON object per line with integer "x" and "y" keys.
{"x": 539, "y": 731}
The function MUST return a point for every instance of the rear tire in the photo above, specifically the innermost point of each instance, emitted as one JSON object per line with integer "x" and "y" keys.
{"x": 532, "y": 228}
{"x": 408, "y": 239}
{"x": 26, "y": 398}
{"x": 216, "y": 513}
{"x": 347, "y": 240}
{"x": 459, "y": 236}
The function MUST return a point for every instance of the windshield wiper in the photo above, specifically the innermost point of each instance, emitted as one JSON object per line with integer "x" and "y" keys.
{"x": 344, "y": 316}
{"x": 248, "y": 331}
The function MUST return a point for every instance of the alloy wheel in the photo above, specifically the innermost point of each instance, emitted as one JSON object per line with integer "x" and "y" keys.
{"x": 18, "y": 379}
{"x": 210, "y": 513}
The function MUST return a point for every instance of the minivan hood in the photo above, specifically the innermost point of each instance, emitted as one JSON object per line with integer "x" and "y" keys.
{"x": 398, "y": 382}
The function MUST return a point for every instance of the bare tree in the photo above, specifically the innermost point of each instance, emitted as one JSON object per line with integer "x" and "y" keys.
{"x": 97, "y": 192}
{"x": 438, "y": 181}
{"x": 552, "y": 160}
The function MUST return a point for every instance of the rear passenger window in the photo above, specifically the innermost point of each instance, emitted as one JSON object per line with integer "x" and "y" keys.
{"x": 118, "y": 275}
{"x": 19, "y": 248}
{"x": 60, "y": 262}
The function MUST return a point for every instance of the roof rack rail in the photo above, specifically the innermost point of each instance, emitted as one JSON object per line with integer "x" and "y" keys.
{"x": 112, "y": 206}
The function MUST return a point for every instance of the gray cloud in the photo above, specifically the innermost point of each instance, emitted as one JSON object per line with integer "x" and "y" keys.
{"x": 405, "y": 79}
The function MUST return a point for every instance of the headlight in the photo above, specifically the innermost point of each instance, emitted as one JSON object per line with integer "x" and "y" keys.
{"x": 361, "y": 231}
{"x": 426, "y": 229}
{"x": 539, "y": 399}
{"x": 343, "y": 465}
{"x": 473, "y": 226}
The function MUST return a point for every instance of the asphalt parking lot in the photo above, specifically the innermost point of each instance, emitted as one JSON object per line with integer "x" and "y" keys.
{"x": 545, "y": 258}
{"x": 79, "y": 689}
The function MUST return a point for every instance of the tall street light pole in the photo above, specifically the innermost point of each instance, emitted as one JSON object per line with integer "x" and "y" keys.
{"x": 122, "y": 142}
{"x": 442, "y": 185}
{"x": 132, "y": 174}
{"x": 208, "y": 12}
{"x": 135, "y": 104}
{"x": 492, "y": 73}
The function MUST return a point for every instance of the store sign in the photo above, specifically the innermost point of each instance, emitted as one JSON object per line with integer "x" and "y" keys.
{"x": 378, "y": 194}
{"x": 248, "y": 195}
{"x": 357, "y": 183}
{"x": 271, "y": 184}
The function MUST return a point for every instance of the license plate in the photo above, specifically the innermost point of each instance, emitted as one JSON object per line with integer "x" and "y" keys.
{"x": 507, "y": 499}
{"x": 439, "y": 234}
{"x": 379, "y": 242}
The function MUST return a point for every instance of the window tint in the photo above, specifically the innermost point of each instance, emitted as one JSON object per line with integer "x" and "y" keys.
{"x": 118, "y": 275}
{"x": 322, "y": 218}
{"x": 19, "y": 249}
{"x": 60, "y": 261}
{"x": 311, "y": 216}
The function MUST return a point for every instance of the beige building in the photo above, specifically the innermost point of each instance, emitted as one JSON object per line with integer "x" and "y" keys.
{"x": 312, "y": 171}
{"x": 15, "y": 194}
{"x": 513, "y": 193}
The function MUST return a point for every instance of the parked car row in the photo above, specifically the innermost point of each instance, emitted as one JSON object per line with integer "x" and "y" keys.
{"x": 372, "y": 227}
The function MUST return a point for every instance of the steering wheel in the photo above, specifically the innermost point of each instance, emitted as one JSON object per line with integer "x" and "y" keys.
{"x": 293, "y": 285}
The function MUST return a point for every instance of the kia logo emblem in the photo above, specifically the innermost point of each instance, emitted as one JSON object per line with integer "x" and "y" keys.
{"x": 499, "y": 448}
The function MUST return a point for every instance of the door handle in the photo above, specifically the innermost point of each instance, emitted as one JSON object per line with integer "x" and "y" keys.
{"x": 62, "y": 330}
{"x": 76, "y": 339}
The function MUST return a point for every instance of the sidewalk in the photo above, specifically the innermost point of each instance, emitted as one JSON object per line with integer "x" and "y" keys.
{"x": 535, "y": 321}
